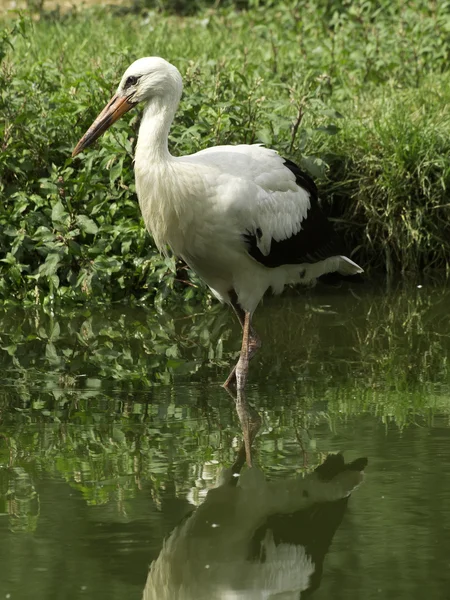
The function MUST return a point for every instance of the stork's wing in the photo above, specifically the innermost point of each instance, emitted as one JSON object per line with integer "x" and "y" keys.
{"x": 313, "y": 240}
{"x": 271, "y": 203}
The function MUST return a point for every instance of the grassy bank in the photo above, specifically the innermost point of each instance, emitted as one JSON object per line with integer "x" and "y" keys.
{"x": 358, "y": 94}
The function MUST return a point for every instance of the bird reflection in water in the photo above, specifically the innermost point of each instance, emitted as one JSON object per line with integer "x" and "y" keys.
{"x": 253, "y": 539}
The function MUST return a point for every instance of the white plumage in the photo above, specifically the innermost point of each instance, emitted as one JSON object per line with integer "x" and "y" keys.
{"x": 226, "y": 191}
{"x": 242, "y": 217}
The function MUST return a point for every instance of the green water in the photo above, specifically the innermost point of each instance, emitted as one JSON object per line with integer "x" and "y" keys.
{"x": 113, "y": 426}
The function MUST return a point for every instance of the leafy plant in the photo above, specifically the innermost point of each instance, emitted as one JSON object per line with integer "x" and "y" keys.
{"x": 357, "y": 93}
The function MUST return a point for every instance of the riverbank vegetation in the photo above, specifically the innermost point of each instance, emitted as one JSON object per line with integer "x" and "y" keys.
{"x": 357, "y": 92}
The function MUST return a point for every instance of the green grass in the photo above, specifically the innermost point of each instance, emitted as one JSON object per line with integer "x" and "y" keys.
{"x": 357, "y": 93}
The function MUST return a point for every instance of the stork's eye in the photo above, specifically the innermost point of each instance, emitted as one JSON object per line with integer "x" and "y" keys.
{"x": 131, "y": 80}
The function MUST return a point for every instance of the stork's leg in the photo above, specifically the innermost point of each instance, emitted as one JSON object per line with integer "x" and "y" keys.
{"x": 241, "y": 370}
{"x": 254, "y": 340}
{"x": 250, "y": 342}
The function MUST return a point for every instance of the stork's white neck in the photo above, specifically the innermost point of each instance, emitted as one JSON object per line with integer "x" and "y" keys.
{"x": 152, "y": 145}
{"x": 156, "y": 185}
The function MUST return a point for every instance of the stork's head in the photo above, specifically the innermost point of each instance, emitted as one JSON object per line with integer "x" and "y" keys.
{"x": 149, "y": 79}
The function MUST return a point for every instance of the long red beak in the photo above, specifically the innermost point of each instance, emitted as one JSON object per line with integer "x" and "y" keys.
{"x": 116, "y": 107}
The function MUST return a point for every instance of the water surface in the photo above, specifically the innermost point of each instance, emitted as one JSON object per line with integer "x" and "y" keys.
{"x": 113, "y": 426}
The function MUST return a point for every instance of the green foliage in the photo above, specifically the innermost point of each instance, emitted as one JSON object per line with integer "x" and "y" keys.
{"x": 357, "y": 92}
{"x": 399, "y": 192}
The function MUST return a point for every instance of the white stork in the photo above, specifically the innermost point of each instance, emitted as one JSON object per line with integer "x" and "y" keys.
{"x": 244, "y": 218}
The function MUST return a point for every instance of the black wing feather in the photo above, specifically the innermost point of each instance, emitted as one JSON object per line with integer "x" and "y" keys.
{"x": 314, "y": 242}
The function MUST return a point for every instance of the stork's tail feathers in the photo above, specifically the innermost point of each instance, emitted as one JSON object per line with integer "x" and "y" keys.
{"x": 340, "y": 268}
{"x": 348, "y": 267}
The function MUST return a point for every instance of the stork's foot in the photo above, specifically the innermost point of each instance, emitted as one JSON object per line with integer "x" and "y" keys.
{"x": 231, "y": 383}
